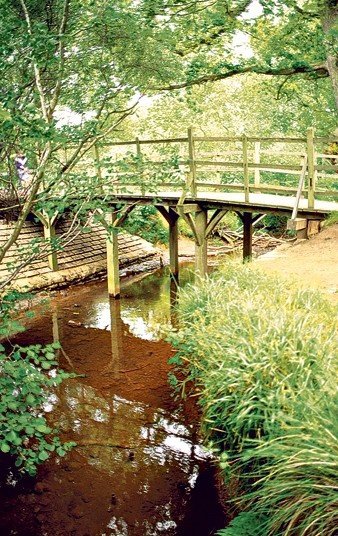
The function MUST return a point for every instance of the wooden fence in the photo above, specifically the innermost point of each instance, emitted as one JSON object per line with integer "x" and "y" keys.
{"x": 284, "y": 166}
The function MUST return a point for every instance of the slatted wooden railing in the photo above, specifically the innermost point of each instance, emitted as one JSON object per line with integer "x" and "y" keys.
{"x": 221, "y": 163}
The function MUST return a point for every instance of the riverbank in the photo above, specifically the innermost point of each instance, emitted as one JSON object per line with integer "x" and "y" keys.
{"x": 311, "y": 263}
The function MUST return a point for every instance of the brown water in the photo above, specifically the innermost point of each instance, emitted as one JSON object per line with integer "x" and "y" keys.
{"x": 139, "y": 468}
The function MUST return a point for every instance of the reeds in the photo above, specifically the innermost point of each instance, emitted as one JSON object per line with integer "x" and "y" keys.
{"x": 262, "y": 355}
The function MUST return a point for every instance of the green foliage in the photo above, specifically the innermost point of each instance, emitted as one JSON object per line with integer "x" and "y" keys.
{"x": 262, "y": 355}
{"x": 145, "y": 222}
{"x": 297, "y": 473}
{"x": 245, "y": 524}
{"x": 254, "y": 348}
{"x": 331, "y": 220}
{"x": 27, "y": 375}
{"x": 275, "y": 223}
{"x": 9, "y": 306}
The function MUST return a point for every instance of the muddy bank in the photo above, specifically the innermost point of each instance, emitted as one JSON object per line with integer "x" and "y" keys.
{"x": 139, "y": 468}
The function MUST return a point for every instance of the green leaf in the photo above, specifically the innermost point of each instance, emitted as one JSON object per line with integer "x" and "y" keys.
{"x": 30, "y": 400}
{"x": 5, "y": 447}
{"x": 43, "y": 429}
{"x": 43, "y": 455}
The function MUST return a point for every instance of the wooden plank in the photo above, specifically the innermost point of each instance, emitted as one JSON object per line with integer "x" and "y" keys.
{"x": 214, "y": 221}
{"x": 144, "y": 142}
{"x": 326, "y": 167}
{"x": 277, "y": 140}
{"x": 257, "y": 159}
{"x": 246, "y": 168}
{"x": 187, "y": 208}
{"x": 192, "y": 164}
{"x": 326, "y": 139}
{"x": 262, "y": 166}
{"x": 300, "y": 189}
{"x": 218, "y": 138}
{"x": 311, "y": 167}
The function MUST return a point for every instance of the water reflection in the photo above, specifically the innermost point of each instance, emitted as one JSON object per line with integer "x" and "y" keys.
{"x": 139, "y": 468}
{"x": 147, "y": 306}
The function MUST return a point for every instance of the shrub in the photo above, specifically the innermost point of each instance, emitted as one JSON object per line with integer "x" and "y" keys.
{"x": 262, "y": 355}
{"x": 256, "y": 349}
{"x": 146, "y": 222}
{"x": 27, "y": 376}
{"x": 24, "y": 385}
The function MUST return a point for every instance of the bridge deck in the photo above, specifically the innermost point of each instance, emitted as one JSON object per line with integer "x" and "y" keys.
{"x": 265, "y": 203}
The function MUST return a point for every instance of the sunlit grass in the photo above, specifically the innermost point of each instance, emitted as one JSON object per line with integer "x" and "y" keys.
{"x": 263, "y": 357}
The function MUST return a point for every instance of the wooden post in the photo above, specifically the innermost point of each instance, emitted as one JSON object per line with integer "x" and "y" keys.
{"x": 201, "y": 245}
{"x": 173, "y": 243}
{"x": 192, "y": 164}
{"x": 49, "y": 234}
{"x": 247, "y": 236}
{"x": 311, "y": 159}
{"x": 113, "y": 259}
{"x": 246, "y": 168}
{"x": 257, "y": 160}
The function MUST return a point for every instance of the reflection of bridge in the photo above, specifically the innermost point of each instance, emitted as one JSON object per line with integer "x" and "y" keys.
{"x": 205, "y": 177}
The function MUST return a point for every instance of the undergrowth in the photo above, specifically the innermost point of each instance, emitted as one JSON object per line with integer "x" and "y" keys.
{"x": 146, "y": 223}
{"x": 262, "y": 354}
{"x": 27, "y": 376}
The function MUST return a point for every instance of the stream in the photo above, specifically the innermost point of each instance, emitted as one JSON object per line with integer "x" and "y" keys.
{"x": 138, "y": 468}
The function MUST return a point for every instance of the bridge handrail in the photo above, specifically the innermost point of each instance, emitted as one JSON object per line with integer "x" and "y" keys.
{"x": 299, "y": 189}
{"x": 193, "y": 162}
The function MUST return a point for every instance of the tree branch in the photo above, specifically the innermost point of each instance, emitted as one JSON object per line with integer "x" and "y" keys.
{"x": 37, "y": 75}
{"x": 61, "y": 51}
{"x": 320, "y": 70}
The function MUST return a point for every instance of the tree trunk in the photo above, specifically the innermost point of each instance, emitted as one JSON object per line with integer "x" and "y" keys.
{"x": 329, "y": 18}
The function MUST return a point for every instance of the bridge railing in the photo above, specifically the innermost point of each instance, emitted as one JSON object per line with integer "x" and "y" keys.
{"x": 194, "y": 164}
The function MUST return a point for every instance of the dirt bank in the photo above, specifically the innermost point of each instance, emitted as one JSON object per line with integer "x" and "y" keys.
{"x": 313, "y": 262}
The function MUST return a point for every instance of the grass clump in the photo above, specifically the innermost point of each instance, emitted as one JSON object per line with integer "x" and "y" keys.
{"x": 297, "y": 477}
{"x": 262, "y": 356}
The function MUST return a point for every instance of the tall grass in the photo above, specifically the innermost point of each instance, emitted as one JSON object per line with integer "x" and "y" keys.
{"x": 263, "y": 354}
{"x": 257, "y": 350}
{"x": 297, "y": 479}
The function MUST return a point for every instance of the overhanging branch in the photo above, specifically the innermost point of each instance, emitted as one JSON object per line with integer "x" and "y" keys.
{"x": 320, "y": 71}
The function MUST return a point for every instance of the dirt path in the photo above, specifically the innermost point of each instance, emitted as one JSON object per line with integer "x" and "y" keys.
{"x": 313, "y": 263}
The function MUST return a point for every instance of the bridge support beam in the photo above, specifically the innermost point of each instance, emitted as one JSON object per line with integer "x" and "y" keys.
{"x": 247, "y": 236}
{"x": 201, "y": 243}
{"x": 248, "y": 220}
{"x": 171, "y": 216}
{"x": 113, "y": 276}
{"x": 173, "y": 244}
{"x": 49, "y": 234}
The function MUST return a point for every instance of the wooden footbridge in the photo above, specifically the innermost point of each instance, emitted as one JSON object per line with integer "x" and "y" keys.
{"x": 205, "y": 177}
{"x": 201, "y": 178}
